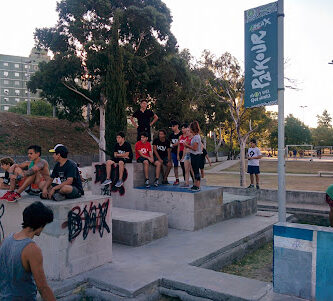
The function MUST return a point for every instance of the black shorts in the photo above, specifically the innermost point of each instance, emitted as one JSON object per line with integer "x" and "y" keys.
{"x": 253, "y": 170}
{"x": 125, "y": 160}
{"x": 165, "y": 160}
{"x": 76, "y": 193}
{"x": 142, "y": 159}
{"x": 203, "y": 161}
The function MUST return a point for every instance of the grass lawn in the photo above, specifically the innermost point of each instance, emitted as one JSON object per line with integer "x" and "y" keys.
{"x": 314, "y": 183}
{"x": 306, "y": 167}
{"x": 257, "y": 265}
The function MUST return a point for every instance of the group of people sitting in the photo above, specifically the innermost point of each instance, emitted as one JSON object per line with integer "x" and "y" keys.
{"x": 33, "y": 176}
{"x": 182, "y": 147}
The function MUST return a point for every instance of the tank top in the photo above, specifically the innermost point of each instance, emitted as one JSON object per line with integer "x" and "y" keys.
{"x": 15, "y": 282}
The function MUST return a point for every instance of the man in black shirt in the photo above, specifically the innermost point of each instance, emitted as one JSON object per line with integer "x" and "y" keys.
{"x": 174, "y": 137}
{"x": 162, "y": 153}
{"x": 143, "y": 116}
{"x": 69, "y": 183}
{"x": 122, "y": 154}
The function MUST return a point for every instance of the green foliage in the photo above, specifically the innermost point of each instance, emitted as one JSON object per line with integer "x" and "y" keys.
{"x": 296, "y": 132}
{"x": 324, "y": 120}
{"x": 322, "y": 135}
{"x": 38, "y": 108}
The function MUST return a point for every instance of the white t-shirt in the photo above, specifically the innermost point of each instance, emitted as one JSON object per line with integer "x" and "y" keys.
{"x": 253, "y": 152}
{"x": 196, "y": 139}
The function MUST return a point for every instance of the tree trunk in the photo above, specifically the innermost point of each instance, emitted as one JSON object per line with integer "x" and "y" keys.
{"x": 231, "y": 143}
{"x": 102, "y": 146}
{"x": 242, "y": 176}
{"x": 215, "y": 148}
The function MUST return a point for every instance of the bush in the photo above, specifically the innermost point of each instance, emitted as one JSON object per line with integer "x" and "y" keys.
{"x": 38, "y": 108}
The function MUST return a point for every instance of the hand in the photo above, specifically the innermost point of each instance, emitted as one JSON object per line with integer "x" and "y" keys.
{"x": 161, "y": 161}
{"x": 51, "y": 193}
{"x": 178, "y": 159}
{"x": 151, "y": 160}
{"x": 210, "y": 163}
{"x": 249, "y": 158}
{"x": 44, "y": 193}
{"x": 169, "y": 164}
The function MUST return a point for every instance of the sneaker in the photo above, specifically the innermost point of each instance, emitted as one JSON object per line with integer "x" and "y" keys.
{"x": 251, "y": 186}
{"x": 257, "y": 186}
{"x": 58, "y": 197}
{"x": 8, "y": 193}
{"x": 119, "y": 183}
{"x": 106, "y": 182}
{"x": 147, "y": 183}
{"x": 176, "y": 182}
{"x": 13, "y": 197}
{"x": 165, "y": 182}
{"x": 156, "y": 183}
{"x": 195, "y": 188}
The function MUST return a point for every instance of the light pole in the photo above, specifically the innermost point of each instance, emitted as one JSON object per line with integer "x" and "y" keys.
{"x": 28, "y": 79}
{"x": 303, "y": 107}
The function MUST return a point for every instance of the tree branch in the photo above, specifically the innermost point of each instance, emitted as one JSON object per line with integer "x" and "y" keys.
{"x": 90, "y": 133}
{"x": 77, "y": 92}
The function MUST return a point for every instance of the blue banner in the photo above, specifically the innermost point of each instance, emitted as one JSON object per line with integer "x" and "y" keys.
{"x": 261, "y": 50}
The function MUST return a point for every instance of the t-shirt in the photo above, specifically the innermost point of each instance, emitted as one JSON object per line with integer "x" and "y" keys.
{"x": 162, "y": 147}
{"x": 253, "y": 152}
{"x": 143, "y": 119}
{"x": 196, "y": 139}
{"x": 182, "y": 140}
{"x": 125, "y": 148}
{"x": 145, "y": 148}
{"x": 174, "y": 139}
{"x": 68, "y": 170}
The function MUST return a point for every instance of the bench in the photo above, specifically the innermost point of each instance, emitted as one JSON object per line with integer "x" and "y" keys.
{"x": 325, "y": 173}
{"x": 136, "y": 228}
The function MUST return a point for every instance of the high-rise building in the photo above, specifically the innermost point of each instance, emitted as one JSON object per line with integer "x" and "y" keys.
{"x": 15, "y": 72}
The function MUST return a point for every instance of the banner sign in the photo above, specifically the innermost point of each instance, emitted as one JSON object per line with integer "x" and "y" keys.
{"x": 261, "y": 62}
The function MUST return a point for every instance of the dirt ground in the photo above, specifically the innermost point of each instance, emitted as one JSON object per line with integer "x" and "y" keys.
{"x": 297, "y": 166}
{"x": 309, "y": 183}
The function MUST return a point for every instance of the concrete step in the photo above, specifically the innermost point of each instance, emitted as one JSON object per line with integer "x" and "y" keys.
{"x": 136, "y": 228}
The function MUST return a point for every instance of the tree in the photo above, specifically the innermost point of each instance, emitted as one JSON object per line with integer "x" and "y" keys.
{"x": 296, "y": 132}
{"x": 38, "y": 108}
{"x": 324, "y": 120}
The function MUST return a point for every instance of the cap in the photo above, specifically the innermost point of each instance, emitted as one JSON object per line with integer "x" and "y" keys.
{"x": 52, "y": 150}
{"x": 329, "y": 191}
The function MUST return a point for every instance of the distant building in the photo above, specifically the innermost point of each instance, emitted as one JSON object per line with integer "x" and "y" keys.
{"x": 15, "y": 72}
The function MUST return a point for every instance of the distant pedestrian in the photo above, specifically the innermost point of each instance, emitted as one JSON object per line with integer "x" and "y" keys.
{"x": 21, "y": 260}
{"x": 295, "y": 153}
{"x": 143, "y": 116}
{"x": 253, "y": 155}
{"x": 329, "y": 201}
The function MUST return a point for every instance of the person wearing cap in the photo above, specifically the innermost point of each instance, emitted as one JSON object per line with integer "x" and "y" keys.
{"x": 32, "y": 178}
{"x": 329, "y": 201}
{"x": 174, "y": 138}
{"x": 70, "y": 185}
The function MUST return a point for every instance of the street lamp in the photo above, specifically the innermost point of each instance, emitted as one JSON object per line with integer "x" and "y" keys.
{"x": 303, "y": 107}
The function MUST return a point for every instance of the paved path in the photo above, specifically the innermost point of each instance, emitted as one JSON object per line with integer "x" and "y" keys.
{"x": 221, "y": 166}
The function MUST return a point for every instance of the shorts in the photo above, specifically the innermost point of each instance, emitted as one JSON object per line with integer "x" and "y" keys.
{"x": 196, "y": 162}
{"x": 253, "y": 170}
{"x": 164, "y": 159}
{"x": 125, "y": 160}
{"x": 74, "y": 194}
{"x": 142, "y": 159}
{"x": 174, "y": 159}
{"x": 187, "y": 157}
{"x": 203, "y": 161}
{"x": 329, "y": 201}
{"x": 20, "y": 182}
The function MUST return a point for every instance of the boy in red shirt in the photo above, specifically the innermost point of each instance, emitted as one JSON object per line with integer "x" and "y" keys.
{"x": 144, "y": 154}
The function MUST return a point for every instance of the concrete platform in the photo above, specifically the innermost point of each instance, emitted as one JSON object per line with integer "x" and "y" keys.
{"x": 135, "y": 228}
{"x": 79, "y": 238}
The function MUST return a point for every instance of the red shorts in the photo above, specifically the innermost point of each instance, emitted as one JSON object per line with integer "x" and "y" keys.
{"x": 20, "y": 182}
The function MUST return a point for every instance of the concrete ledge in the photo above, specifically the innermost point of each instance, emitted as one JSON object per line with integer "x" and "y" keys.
{"x": 136, "y": 228}
{"x": 79, "y": 238}
{"x": 238, "y": 205}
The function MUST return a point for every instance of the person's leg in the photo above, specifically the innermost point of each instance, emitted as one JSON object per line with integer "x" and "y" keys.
{"x": 67, "y": 191}
{"x": 331, "y": 216}
{"x": 157, "y": 169}
{"x": 28, "y": 181}
{"x": 252, "y": 178}
{"x": 175, "y": 166}
{"x": 195, "y": 162}
{"x": 109, "y": 164}
{"x": 146, "y": 169}
{"x": 257, "y": 179}
{"x": 182, "y": 165}
{"x": 187, "y": 165}
{"x": 121, "y": 165}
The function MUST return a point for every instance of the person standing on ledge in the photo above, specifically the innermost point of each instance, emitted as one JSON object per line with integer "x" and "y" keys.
{"x": 253, "y": 155}
{"x": 21, "y": 260}
{"x": 143, "y": 116}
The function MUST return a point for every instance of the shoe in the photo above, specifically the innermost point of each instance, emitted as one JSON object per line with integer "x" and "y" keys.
{"x": 106, "y": 182}
{"x": 58, "y": 197}
{"x": 41, "y": 196}
{"x": 147, "y": 183}
{"x": 156, "y": 183}
{"x": 13, "y": 197}
{"x": 257, "y": 186}
{"x": 4, "y": 197}
{"x": 119, "y": 183}
{"x": 176, "y": 182}
{"x": 195, "y": 188}
{"x": 251, "y": 186}
{"x": 165, "y": 183}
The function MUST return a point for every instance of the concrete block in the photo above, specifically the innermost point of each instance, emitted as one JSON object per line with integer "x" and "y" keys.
{"x": 70, "y": 244}
{"x": 136, "y": 228}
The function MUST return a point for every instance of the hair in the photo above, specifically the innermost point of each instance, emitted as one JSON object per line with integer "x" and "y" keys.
{"x": 144, "y": 134}
{"x": 184, "y": 125}
{"x": 62, "y": 151}
{"x": 253, "y": 141}
{"x": 163, "y": 131}
{"x": 174, "y": 122}
{"x": 36, "y": 148}
{"x": 6, "y": 161}
{"x": 143, "y": 99}
{"x": 121, "y": 134}
{"x": 194, "y": 126}
{"x": 36, "y": 215}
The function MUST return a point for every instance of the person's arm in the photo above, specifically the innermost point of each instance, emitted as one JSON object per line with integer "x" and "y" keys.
{"x": 37, "y": 167}
{"x": 133, "y": 121}
{"x": 21, "y": 165}
{"x": 157, "y": 154}
{"x": 35, "y": 260}
{"x": 124, "y": 155}
{"x": 151, "y": 157}
{"x": 169, "y": 157}
{"x": 46, "y": 186}
{"x": 192, "y": 147}
{"x": 154, "y": 120}
{"x": 210, "y": 162}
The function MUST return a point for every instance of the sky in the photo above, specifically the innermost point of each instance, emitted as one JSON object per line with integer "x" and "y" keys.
{"x": 218, "y": 25}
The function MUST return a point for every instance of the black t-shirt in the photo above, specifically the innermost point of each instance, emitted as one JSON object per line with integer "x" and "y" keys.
{"x": 174, "y": 139}
{"x": 162, "y": 147}
{"x": 68, "y": 170}
{"x": 143, "y": 119}
{"x": 125, "y": 148}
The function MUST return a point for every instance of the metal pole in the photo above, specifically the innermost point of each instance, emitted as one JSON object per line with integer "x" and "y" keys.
{"x": 281, "y": 147}
{"x": 28, "y": 78}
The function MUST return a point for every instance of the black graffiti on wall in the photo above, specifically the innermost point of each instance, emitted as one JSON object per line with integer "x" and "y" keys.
{"x": 86, "y": 220}
{"x": 2, "y": 231}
